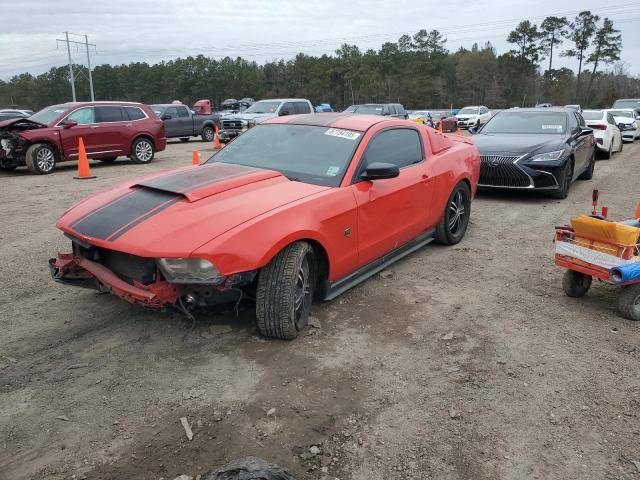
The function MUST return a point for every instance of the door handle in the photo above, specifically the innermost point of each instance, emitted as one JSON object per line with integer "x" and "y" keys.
{"x": 94, "y": 126}
{"x": 129, "y": 125}
{"x": 425, "y": 178}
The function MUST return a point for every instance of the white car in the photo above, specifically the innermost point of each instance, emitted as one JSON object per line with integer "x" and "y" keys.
{"x": 627, "y": 121}
{"x": 605, "y": 129}
{"x": 474, "y": 116}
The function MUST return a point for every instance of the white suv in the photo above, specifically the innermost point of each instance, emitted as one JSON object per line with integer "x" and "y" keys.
{"x": 473, "y": 116}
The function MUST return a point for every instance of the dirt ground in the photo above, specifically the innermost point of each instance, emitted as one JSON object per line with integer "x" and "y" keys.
{"x": 466, "y": 362}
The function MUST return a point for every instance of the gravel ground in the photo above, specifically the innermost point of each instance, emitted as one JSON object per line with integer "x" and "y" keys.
{"x": 466, "y": 362}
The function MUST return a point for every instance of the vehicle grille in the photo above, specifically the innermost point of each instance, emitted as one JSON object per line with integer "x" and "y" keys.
{"x": 501, "y": 171}
{"x": 232, "y": 124}
{"x": 129, "y": 268}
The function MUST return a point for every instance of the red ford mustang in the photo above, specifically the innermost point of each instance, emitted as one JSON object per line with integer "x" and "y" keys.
{"x": 297, "y": 208}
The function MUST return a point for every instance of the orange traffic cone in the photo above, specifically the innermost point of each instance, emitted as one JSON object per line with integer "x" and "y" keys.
{"x": 458, "y": 132}
{"x": 84, "y": 172}
{"x": 195, "y": 157}
{"x": 216, "y": 140}
{"x": 440, "y": 127}
{"x": 638, "y": 211}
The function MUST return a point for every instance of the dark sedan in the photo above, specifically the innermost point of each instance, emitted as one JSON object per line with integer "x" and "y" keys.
{"x": 535, "y": 149}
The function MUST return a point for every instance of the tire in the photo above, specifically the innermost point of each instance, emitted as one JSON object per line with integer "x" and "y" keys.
{"x": 184, "y": 139}
{"x": 621, "y": 145}
{"x": 608, "y": 154}
{"x": 142, "y": 150}
{"x": 567, "y": 178}
{"x": 285, "y": 292}
{"x": 455, "y": 219}
{"x": 576, "y": 284}
{"x": 629, "y": 302}
{"x": 588, "y": 173}
{"x": 41, "y": 158}
{"x": 108, "y": 159}
{"x": 208, "y": 134}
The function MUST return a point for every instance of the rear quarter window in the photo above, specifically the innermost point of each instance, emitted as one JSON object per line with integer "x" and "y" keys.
{"x": 134, "y": 113}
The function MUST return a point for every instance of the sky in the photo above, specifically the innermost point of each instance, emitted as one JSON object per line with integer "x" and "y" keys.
{"x": 126, "y": 31}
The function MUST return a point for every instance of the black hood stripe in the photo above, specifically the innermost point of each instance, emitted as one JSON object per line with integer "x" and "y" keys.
{"x": 118, "y": 233}
{"x": 108, "y": 220}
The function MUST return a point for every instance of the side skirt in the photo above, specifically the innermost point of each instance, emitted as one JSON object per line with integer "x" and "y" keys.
{"x": 360, "y": 275}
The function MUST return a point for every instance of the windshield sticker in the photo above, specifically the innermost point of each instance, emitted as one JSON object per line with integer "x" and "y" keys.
{"x": 552, "y": 127}
{"x": 332, "y": 171}
{"x": 338, "y": 132}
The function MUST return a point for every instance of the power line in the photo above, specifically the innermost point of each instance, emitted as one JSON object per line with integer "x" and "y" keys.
{"x": 72, "y": 76}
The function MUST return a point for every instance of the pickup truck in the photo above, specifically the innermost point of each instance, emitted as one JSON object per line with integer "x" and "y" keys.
{"x": 180, "y": 122}
{"x": 234, "y": 124}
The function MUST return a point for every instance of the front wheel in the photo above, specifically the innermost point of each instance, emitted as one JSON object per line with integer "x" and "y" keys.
{"x": 142, "y": 150}
{"x": 576, "y": 284}
{"x": 588, "y": 173}
{"x": 566, "y": 179}
{"x": 455, "y": 219}
{"x": 607, "y": 155}
{"x": 285, "y": 292}
{"x": 629, "y": 302}
{"x": 40, "y": 158}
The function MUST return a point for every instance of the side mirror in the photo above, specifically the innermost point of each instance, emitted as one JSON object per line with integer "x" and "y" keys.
{"x": 380, "y": 171}
{"x": 166, "y": 116}
{"x": 473, "y": 130}
{"x": 69, "y": 124}
{"x": 284, "y": 113}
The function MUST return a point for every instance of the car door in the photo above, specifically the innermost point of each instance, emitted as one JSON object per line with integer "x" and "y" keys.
{"x": 393, "y": 211}
{"x": 616, "y": 136}
{"x": 85, "y": 128}
{"x": 113, "y": 132}
{"x": 172, "y": 124}
{"x": 582, "y": 144}
{"x": 185, "y": 123}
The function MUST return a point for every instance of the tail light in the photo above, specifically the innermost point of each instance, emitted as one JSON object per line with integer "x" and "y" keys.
{"x": 598, "y": 127}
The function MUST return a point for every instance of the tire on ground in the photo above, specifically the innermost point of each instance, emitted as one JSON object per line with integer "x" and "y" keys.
{"x": 629, "y": 302}
{"x": 275, "y": 296}
{"x": 138, "y": 147}
{"x": 208, "y": 133}
{"x": 444, "y": 233}
{"x": 576, "y": 284}
{"x": 34, "y": 164}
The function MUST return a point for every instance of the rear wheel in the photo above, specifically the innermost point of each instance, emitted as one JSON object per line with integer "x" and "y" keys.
{"x": 208, "y": 134}
{"x": 285, "y": 292}
{"x": 455, "y": 219}
{"x": 588, "y": 173}
{"x": 567, "y": 178}
{"x": 629, "y": 302}
{"x": 40, "y": 158}
{"x": 576, "y": 284}
{"x": 142, "y": 150}
{"x": 608, "y": 154}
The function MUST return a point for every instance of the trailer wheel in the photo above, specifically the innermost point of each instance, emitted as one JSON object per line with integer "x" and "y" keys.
{"x": 629, "y": 302}
{"x": 576, "y": 284}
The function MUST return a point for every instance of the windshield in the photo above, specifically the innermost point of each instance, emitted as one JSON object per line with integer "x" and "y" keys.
{"x": 158, "y": 109}
{"x": 527, "y": 122}
{"x": 352, "y": 108}
{"x": 369, "y": 110}
{"x": 49, "y": 114}
{"x": 627, "y": 103}
{"x": 263, "y": 107}
{"x": 309, "y": 154}
{"x": 592, "y": 115}
{"x": 469, "y": 111}
{"x": 615, "y": 113}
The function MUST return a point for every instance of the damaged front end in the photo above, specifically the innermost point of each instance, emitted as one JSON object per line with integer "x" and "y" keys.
{"x": 141, "y": 280}
{"x": 13, "y": 147}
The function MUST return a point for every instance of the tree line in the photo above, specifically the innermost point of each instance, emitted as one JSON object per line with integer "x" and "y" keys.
{"x": 417, "y": 71}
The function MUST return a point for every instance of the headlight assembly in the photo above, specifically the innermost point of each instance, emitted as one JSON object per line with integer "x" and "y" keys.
{"x": 190, "y": 270}
{"x": 547, "y": 157}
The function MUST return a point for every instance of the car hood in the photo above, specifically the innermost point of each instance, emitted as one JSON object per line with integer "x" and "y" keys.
{"x": 173, "y": 213}
{"x": 514, "y": 143}
{"x": 250, "y": 116}
{"x": 9, "y": 125}
{"x": 625, "y": 120}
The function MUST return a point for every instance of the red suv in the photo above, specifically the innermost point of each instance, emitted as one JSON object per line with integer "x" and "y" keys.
{"x": 108, "y": 130}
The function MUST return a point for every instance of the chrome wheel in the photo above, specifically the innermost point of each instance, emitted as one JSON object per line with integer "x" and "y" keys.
{"x": 456, "y": 212}
{"x": 45, "y": 159}
{"x": 144, "y": 151}
{"x": 302, "y": 295}
{"x": 209, "y": 134}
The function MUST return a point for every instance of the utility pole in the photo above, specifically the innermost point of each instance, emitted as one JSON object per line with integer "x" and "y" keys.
{"x": 86, "y": 44}
{"x": 71, "y": 72}
{"x": 71, "y": 75}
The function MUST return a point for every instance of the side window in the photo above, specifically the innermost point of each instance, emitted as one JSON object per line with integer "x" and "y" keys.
{"x": 391, "y": 109}
{"x": 398, "y": 146}
{"x": 302, "y": 107}
{"x": 173, "y": 111}
{"x": 83, "y": 116}
{"x": 288, "y": 109}
{"x": 134, "y": 113}
{"x": 400, "y": 109}
{"x": 108, "y": 114}
{"x": 182, "y": 112}
{"x": 573, "y": 123}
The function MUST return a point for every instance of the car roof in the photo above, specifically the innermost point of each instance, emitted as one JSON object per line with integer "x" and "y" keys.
{"x": 95, "y": 103}
{"x": 540, "y": 110}
{"x": 283, "y": 100}
{"x": 348, "y": 121}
